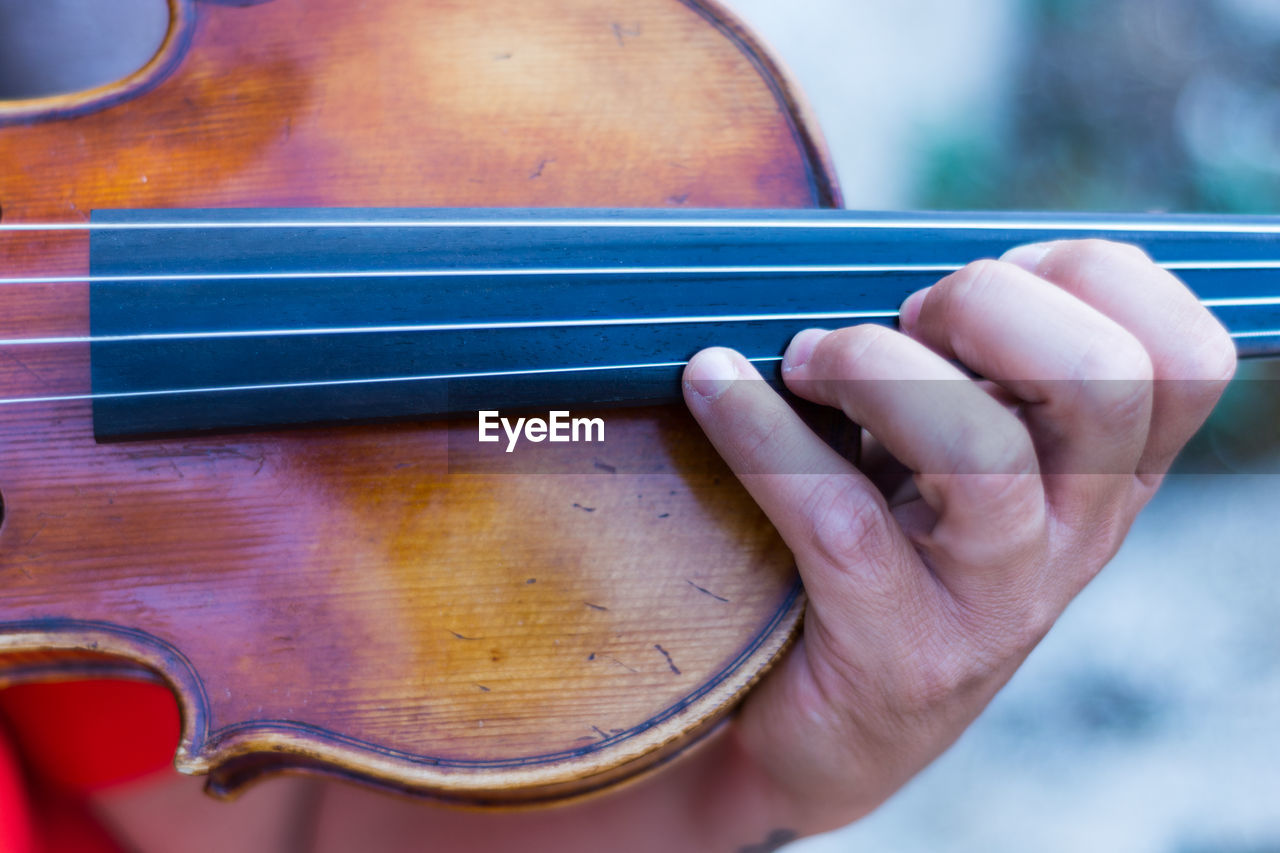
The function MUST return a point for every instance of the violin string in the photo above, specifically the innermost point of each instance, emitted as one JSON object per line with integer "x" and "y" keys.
{"x": 1223, "y": 302}
{"x": 762, "y": 269}
{"x": 843, "y": 223}
{"x": 430, "y": 377}
{"x": 1255, "y": 333}
{"x": 1163, "y": 227}
{"x": 330, "y": 383}
{"x": 603, "y": 322}
{"x": 814, "y": 269}
{"x": 459, "y": 327}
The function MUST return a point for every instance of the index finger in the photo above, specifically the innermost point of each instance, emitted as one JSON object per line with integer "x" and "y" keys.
{"x": 851, "y": 552}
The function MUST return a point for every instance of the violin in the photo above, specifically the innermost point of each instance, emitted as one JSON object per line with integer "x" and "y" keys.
{"x": 260, "y": 297}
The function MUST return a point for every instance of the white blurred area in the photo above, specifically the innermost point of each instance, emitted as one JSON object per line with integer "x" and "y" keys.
{"x": 882, "y": 75}
{"x": 1149, "y": 720}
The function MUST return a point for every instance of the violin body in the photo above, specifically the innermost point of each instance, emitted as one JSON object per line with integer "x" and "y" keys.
{"x": 363, "y": 600}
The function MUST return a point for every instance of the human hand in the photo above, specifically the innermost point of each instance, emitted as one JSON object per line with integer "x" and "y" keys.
{"x": 1096, "y": 367}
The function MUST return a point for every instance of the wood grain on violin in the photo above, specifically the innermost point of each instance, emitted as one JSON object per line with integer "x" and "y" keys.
{"x": 336, "y": 599}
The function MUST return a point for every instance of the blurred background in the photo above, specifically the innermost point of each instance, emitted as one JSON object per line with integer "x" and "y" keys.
{"x": 1149, "y": 720}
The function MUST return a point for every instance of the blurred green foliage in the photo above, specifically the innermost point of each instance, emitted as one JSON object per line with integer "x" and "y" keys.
{"x": 1124, "y": 105}
{"x": 1137, "y": 105}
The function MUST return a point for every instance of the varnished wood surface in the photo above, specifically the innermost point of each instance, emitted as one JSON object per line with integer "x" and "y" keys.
{"x": 353, "y": 598}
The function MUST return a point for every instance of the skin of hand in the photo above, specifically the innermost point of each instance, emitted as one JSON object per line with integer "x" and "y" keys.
{"x": 1096, "y": 367}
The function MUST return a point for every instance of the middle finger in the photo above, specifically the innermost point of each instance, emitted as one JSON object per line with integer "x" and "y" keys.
{"x": 1083, "y": 379}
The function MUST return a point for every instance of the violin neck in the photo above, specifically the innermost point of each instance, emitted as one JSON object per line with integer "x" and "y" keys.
{"x": 218, "y": 319}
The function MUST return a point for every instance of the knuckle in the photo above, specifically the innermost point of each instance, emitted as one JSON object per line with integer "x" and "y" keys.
{"x": 999, "y": 447}
{"x": 962, "y": 288}
{"x": 845, "y": 350}
{"x": 1023, "y": 527}
{"x": 1106, "y": 532}
{"x": 1127, "y": 251}
{"x": 1011, "y": 511}
{"x": 1113, "y": 352}
{"x": 1113, "y": 378}
{"x": 973, "y": 279}
{"x": 845, "y": 523}
{"x": 981, "y": 648}
{"x": 1074, "y": 263}
{"x": 1120, "y": 406}
{"x": 1000, "y": 483}
{"x": 1093, "y": 251}
{"x": 943, "y": 672}
{"x": 994, "y": 460}
{"x": 1193, "y": 376}
{"x": 1219, "y": 356}
{"x": 1211, "y": 355}
{"x": 1034, "y": 622}
{"x": 1013, "y": 504}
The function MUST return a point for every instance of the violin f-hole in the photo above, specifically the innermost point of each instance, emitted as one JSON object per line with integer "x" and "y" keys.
{"x": 52, "y": 67}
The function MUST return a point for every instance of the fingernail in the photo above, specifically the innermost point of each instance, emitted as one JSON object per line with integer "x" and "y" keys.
{"x": 1028, "y": 256}
{"x": 909, "y": 313}
{"x": 710, "y": 373}
{"x": 801, "y": 348}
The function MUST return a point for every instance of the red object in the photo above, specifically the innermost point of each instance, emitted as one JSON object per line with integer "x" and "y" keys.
{"x": 68, "y": 740}
{"x": 16, "y": 831}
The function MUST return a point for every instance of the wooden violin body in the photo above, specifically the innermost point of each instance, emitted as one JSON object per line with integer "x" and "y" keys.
{"x": 362, "y": 600}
